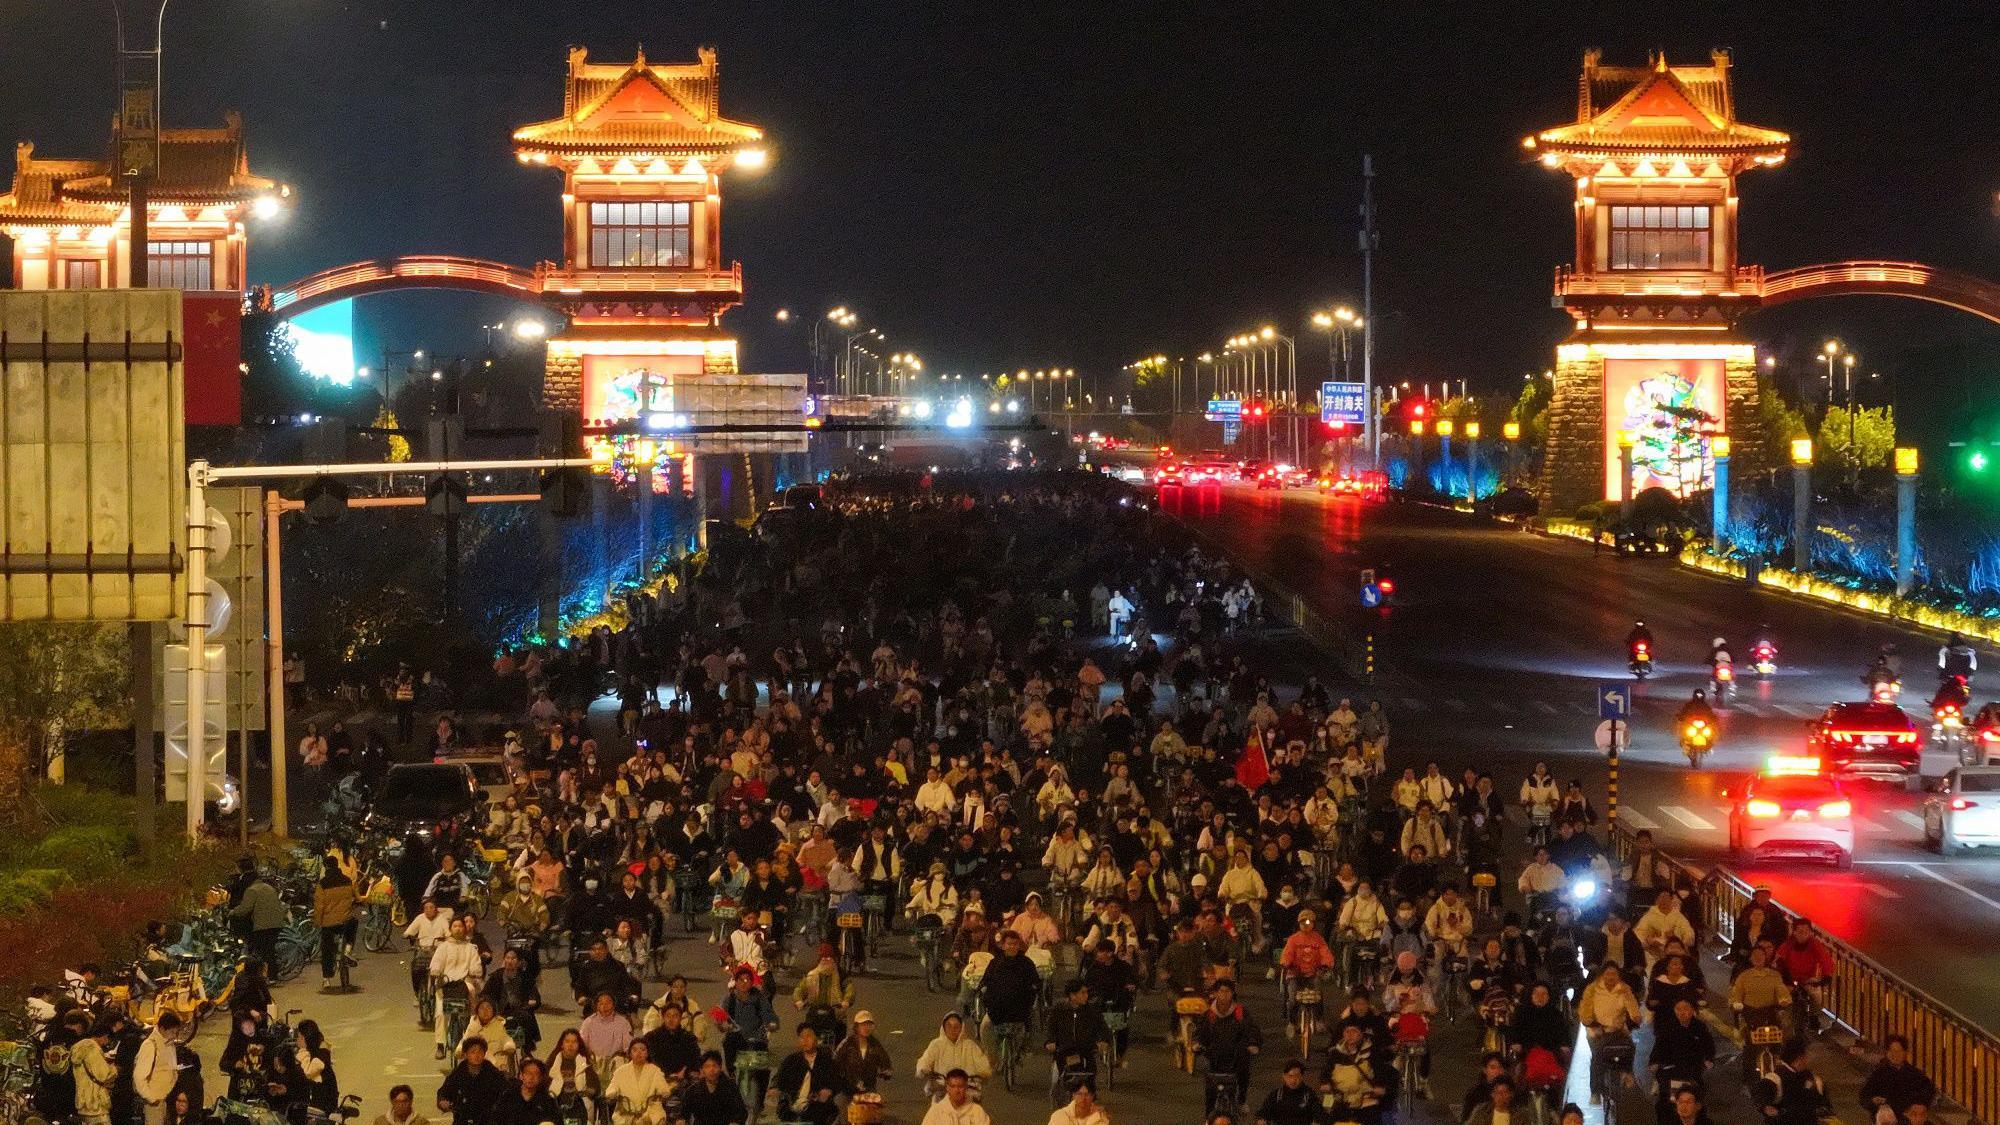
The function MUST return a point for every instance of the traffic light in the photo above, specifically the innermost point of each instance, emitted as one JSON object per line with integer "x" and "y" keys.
{"x": 445, "y": 495}
{"x": 325, "y": 499}
{"x": 1256, "y": 412}
{"x": 1417, "y": 408}
{"x": 1977, "y": 462}
{"x": 565, "y": 491}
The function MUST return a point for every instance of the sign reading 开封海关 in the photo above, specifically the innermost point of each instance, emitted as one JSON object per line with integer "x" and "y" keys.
{"x": 1224, "y": 410}
{"x": 1343, "y": 404}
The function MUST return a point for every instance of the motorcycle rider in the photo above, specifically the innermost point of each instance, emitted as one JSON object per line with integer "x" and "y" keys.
{"x": 1956, "y": 658}
{"x": 1697, "y": 707}
{"x": 1883, "y": 671}
{"x": 1639, "y": 635}
{"x": 1718, "y": 655}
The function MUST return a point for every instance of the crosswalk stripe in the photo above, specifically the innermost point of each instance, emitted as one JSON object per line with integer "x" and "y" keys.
{"x": 1798, "y": 710}
{"x": 1909, "y": 818}
{"x": 1638, "y": 820}
{"x": 1455, "y": 704}
{"x": 1885, "y": 892}
{"x": 1503, "y": 707}
{"x": 1545, "y": 707}
{"x": 1687, "y": 819}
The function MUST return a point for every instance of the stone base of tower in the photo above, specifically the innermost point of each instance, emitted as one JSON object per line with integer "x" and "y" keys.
{"x": 1579, "y": 464}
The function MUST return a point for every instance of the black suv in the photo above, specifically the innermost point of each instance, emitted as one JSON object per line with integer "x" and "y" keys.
{"x": 424, "y": 798}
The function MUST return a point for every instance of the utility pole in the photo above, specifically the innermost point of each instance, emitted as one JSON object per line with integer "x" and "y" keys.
{"x": 1372, "y": 432}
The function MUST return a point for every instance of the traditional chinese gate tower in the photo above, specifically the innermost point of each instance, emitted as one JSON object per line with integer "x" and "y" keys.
{"x": 1656, "y": 289}
{"x": 643, "y": 282}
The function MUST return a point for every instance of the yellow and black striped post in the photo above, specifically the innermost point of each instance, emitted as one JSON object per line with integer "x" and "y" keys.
{"x": 1611, "y": 778}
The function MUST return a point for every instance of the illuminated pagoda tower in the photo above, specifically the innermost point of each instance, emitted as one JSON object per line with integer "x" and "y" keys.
{"x": 69, "y": 220}
{"x": 642, "y": 147}
{"x": 1655, "y": 290}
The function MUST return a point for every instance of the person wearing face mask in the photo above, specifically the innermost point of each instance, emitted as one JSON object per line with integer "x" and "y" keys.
{"x": 587, "y": 913}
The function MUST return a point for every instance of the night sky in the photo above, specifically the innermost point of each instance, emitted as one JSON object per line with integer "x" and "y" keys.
{"x": 1084, "y": 183}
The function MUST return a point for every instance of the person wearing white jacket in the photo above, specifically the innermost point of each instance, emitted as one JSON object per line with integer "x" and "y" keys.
{"x": 951, "y": 1050}
{"x": 454, "y": 964}
{"x": 637, "y": 1091}
{"x": 1664, "y": 921}
{"x": 156, "y": 1068}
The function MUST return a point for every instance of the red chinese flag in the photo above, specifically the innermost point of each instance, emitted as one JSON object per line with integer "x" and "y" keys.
{"x": 1253, "y": 768}
{"x": 212, "y": 358}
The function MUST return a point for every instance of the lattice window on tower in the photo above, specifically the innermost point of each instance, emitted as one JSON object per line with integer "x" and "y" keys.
{"x": 180, "y": 265}
{"x": 1661, "y": 237}
{"x": 639, "y": 235}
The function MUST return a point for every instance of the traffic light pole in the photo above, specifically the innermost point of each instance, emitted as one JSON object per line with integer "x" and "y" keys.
{"x": 200, "y": 475}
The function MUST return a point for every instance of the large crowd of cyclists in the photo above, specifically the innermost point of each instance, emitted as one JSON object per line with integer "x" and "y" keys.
{"x": 1008, "y": 736}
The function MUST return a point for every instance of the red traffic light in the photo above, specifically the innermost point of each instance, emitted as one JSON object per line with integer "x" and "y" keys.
{"x": 1256, "y": 410}
{"x": 1417, "y": 409}
{"x": 1386, "y": 585}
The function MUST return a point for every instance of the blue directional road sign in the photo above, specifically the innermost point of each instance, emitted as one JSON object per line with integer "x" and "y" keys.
{"x": 1224, "y": 410}
{"x": 1614, "y": 701}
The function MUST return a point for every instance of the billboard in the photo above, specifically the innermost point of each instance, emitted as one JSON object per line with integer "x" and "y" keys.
{"x": 623, "y": 388}
{"x": 323, "y": 342}
{"x": 93, "y": 461}
{"x": 1669, "y": 407}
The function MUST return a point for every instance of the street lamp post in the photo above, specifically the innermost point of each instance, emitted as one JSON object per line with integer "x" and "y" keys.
{"x": 1718, "y": 448}
{"x": 1906, "y": 520}
{"x": 1511, "y": 431}
{"x": 1472, "y": 462}
{"x": 1802, "y": 458}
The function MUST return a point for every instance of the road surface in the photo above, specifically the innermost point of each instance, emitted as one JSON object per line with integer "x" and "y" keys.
{"x": 1499, "y": 637}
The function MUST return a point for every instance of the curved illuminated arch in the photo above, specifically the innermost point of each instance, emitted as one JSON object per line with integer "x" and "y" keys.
{"x": 417, "y": 271}
{"x": 1914, "y": 280}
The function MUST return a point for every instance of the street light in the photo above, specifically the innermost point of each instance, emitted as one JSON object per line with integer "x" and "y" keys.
{"x": 783, "y": 315}
{"x": 530, "y": 328}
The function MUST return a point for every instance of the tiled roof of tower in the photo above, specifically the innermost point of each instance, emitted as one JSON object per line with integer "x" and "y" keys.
{"x": 620, "y": 108}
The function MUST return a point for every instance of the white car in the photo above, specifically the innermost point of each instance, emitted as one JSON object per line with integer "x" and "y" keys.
{"x": 1789, "y": 813}
{"x": 1963, "y": 810}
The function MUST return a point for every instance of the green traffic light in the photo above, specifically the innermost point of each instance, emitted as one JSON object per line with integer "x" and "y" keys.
{"x": 1977, "y": 462}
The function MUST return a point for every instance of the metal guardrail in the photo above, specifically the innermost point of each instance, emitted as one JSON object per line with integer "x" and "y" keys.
{"x": 1864, "y": 997}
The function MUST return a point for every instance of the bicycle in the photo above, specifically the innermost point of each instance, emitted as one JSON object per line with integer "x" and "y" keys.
{"x": 426, "y": 999}
{"x": 457, "y": 1010}
{"x": 1610, "y": 1060}
{"x": 1007, "y": 1041}
{"x": 1483, "y": 884}
{"x": 1223, "y": 1093}
{"x": 1305, "y": 1010}
{"x": 1452, "y": 998}
{"x": 1763, "y": 1029}
{"x": 753, "y": 1077}
{"x": 1115, "y": 1021}
{"x": 1409, "y": 1088}
{"x": 1187, "y": 1009}
{"x": 1066, "y": 1072}
{"x": 929, "y": 941}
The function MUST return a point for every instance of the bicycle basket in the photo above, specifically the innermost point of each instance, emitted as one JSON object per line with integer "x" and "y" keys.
{"x": 1190, "y": 1006}
{"x": 1765, "y": 1036}
{"x": 747, "y": 1059}
{"x": 874, "y": 904}
{"x": 1306, "y": 996}
{"x": 1484, "y": 879}
{"x": 850, "y": 921}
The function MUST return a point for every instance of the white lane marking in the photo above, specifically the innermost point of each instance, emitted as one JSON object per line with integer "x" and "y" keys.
{"x": 1687, "y": 818}
{"x": 1545, "y": 707}
{"x": 1798, "y": 711}
{"x": 1945, "y": 879}
{"x": 1909, "y": 818}
{"x": 1502, "y": 708}
{"x": 1885, "y": 892}
{"x": 1638, "y": 820}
